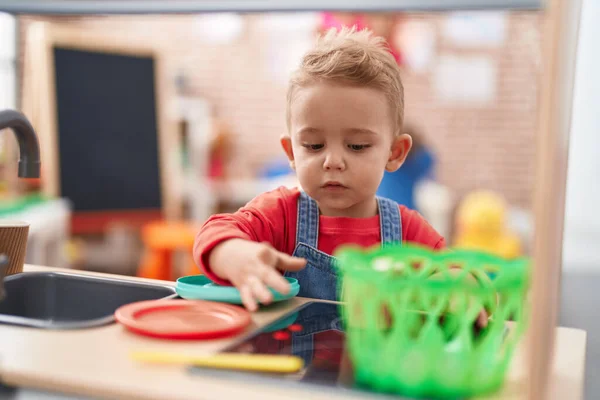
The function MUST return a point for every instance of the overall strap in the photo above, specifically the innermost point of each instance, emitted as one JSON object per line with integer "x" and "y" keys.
{"x": 307, "y": 226}
{"x": 390, "y": 221}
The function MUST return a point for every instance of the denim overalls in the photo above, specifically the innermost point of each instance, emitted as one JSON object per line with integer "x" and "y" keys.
{"x": 318, "y": 279}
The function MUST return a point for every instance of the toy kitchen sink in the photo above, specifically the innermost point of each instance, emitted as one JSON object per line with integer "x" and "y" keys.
{"x": 56, "y": 300}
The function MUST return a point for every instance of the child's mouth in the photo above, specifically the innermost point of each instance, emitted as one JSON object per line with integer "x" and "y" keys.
{"x": 335, "y": 186}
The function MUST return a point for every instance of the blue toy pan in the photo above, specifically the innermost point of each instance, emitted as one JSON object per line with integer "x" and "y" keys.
{"x": 200, "y": 287}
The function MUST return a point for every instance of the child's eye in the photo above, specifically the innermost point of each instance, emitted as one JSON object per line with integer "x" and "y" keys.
{"x": 313, "y": 147}
{"x": 358, "y": 147}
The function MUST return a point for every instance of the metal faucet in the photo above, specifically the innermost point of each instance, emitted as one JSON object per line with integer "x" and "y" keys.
{"x": 29, "y": 162}
{"x": 29, "y": 147}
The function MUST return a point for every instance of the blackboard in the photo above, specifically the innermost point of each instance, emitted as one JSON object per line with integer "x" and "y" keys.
{"x": 107, "y": 130}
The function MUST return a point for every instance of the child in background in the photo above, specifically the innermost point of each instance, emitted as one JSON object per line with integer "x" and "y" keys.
{"x": 345, "y": 108}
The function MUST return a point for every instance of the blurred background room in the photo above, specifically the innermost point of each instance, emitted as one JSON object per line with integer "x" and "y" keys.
{"x": 187, "y": 111}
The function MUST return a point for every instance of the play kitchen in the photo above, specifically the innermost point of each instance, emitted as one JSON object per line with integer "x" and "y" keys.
{"x": 408, "y": 325}
{"x": 400, "y": 332}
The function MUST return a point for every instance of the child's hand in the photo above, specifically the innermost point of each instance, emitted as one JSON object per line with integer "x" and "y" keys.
{"x": 251, "y": 267}
{"x": 482, "y": 319}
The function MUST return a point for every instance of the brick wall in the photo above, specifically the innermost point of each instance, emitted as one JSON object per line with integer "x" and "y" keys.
{"x": 477, "y": 147}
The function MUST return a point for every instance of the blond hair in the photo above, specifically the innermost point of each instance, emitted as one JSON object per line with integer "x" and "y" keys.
{"x": 354, "y": 58}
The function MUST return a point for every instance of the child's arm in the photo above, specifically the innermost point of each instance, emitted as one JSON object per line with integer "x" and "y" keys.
{"x": 245, "y": 248}
{"x": 416, "y": 229}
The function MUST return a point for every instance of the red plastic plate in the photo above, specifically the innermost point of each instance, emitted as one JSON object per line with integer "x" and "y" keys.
{"x": 183, "y": 319}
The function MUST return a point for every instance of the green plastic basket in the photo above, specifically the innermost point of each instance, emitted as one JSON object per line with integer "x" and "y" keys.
{"x": 410, "y": 317}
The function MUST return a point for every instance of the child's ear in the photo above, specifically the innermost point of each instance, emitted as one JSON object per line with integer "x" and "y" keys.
{"x": 400, "y": 148}
{"x": 286, "y": 144}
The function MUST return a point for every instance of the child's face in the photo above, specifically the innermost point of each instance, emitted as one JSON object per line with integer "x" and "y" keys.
{"x": 342, "y": 139}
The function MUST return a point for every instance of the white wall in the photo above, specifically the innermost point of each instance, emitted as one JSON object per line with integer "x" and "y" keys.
{"x": 8, "y": 76}
{"x": 7, "y": 61}
{"x": 581, "y": 248}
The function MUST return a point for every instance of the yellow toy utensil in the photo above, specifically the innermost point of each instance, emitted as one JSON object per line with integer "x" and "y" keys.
{"x": 249, "y": 362}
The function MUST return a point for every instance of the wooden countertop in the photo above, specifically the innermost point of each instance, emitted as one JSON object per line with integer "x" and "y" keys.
{"x": 96, "y": 363}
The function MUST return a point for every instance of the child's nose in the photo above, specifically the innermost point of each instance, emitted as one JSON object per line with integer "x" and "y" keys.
{"x": 334, "y": 160}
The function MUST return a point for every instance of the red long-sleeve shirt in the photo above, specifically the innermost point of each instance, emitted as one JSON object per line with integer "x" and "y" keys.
{"x": 271, "y": 217}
